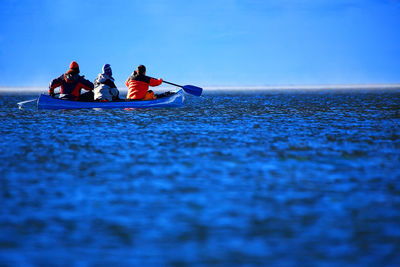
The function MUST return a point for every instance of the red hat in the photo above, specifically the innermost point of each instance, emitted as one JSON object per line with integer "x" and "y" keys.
{"x": 74, "y": 65}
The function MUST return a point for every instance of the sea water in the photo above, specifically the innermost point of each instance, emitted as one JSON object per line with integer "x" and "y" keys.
{"x": 288, "y": 178}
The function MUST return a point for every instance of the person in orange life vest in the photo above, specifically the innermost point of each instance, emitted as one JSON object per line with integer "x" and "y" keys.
{"x": 71, "y": 84}
{"x": 138, "y": 84}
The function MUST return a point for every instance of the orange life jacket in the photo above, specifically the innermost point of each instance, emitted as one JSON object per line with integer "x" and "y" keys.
{"x": 139, "y": 85}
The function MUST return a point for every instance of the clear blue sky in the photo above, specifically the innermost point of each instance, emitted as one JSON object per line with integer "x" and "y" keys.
{"x": 205, "y": 43}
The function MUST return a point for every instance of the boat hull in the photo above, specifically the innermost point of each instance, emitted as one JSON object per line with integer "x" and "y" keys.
{"x": 48, "y": 102}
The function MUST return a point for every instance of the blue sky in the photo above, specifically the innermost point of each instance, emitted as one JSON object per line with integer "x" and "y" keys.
{"x": 205, "y": 43}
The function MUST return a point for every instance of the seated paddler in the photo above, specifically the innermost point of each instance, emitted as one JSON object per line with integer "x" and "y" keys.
{"x": 104, "y": 86}
{"x": 138, "y": 84}
{"x": 71, "y": 84}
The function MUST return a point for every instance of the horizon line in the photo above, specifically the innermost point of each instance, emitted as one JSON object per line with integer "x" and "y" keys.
{"x": 121, "y": 87}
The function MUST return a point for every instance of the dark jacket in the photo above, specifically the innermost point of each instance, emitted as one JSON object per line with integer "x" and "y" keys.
{"x": 71, "y": 85}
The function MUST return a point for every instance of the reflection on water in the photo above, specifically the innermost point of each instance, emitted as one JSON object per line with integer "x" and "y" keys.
{"x": 272, "y": 178}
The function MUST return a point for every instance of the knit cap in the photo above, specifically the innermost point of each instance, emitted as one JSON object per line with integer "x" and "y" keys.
{"x": 107, "y": 70}
{"x": 73, "y": 67}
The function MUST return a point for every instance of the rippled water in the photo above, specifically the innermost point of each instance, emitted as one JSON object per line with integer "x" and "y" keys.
{"x": 259, "y": 179}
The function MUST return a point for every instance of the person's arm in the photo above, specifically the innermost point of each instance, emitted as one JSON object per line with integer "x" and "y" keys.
{"x": 127, "y": 82}
{"x": 86, "y": 84}
{"x": 115, "y": 93}
{"x": 113, "y": 89}
{"x": 155, "y": 82}
{"x": 54, "y": 84}
{"x": 96, "y": 82}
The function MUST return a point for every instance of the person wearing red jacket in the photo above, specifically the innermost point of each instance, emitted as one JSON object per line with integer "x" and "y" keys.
{"x": 138, "y": 84}
{"x": 71, "y": 84}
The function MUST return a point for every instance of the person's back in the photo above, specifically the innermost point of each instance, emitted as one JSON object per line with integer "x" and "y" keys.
{"x": 138, "y": 84}
{"x": 104, "y": 86}
{"x": 71, "y": 84}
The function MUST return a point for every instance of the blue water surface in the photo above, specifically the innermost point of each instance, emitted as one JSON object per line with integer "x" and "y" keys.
{"x": 275, "y": 178}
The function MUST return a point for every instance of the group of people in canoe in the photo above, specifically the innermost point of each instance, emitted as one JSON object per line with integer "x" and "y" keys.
{"x": 103, "y": 88}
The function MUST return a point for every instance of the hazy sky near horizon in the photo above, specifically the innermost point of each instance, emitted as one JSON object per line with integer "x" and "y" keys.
{"x": 204, "y": 43}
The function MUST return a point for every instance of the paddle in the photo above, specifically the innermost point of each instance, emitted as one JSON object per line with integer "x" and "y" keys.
{"x": 24, "y": 102}
{"x": 20, "y": 104}
{"x": 190, "y": 89}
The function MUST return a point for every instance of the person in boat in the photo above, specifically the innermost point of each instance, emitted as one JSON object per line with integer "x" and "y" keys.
{"x": 104, "y": 86}
{"x": 138, "y": 84}
{"x": 71, "y": 85}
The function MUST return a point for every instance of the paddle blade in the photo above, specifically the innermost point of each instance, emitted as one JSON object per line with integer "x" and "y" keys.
{"x": 20, "y": 104}
{"x": 193, "y": 90}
